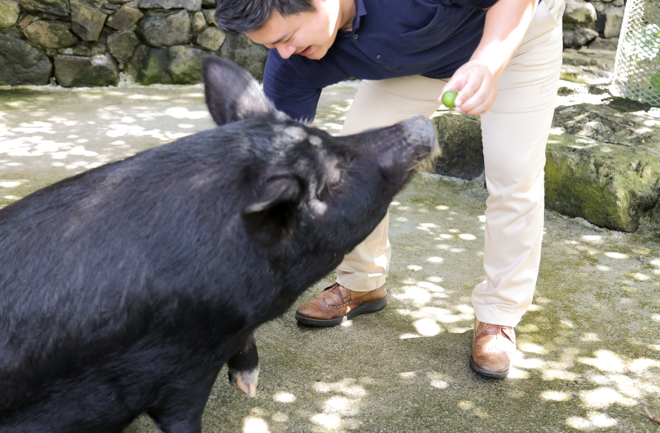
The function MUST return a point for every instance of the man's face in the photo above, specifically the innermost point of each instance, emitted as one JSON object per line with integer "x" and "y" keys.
{"x": 309, "y": 34}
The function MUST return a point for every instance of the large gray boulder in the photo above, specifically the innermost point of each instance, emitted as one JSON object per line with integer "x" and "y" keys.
{"x": 165, "y": 29}
{"x": 59, "y": 8}
{"x": 578, "y": 37}
{"x": 79, "y": 71}
{"x": 122, "y": 45}
{"x": 605, "y": 166}
{"x": 579, "y": 12}
{"x": 245, "y": 53}
{"x": 86, "y": 20}
{"x": 189, "y": 5}
{"x": 610, "y": 18}
{"x": 50, "y": 34}
{"x": 609, "y": 185}
{"x": 602, "y": 161}
{"x": 9, "y": 13}
{"x": 613, "y": 23}
{"x": 149, "y": 66}
{"x": 579, "y": 23}
{"x": 211, "y": 38}
{"x": 186, "y": 64}
{"x": 198, "y": 22}
{"x": 22, "y": 64}
{"x": 125, "y": 18}
{"x": 608, "y": 124}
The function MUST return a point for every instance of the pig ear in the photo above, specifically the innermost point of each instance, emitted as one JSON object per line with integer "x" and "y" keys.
{"x": 231, "y": 92}
{"x": 275, "y": 191}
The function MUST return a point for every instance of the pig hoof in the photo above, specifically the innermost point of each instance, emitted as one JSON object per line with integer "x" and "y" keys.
{"x": 246, "y": 381}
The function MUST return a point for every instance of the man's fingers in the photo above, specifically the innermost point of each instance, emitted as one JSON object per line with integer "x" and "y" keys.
{"x": 477, "y": 106}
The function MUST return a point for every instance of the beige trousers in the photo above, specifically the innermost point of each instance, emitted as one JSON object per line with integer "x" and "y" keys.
{"x": 515, "y": 133}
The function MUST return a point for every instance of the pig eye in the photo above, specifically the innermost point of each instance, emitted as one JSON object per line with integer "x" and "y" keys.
{"x": 335, "y": 173}
{"x": 335, "y": 178}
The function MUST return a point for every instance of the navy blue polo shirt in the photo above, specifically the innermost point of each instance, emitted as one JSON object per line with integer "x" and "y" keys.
{"x": 389, "y": 39}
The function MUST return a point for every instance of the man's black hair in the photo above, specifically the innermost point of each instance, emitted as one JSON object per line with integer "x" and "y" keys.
{"x": 241, "y": 16}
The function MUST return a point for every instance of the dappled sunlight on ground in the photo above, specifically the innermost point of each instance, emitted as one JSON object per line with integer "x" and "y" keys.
{"x": 589, "y": 347}
{"x": 589, "y": 352}
{"x": 588, "y": 355}
{"x": 50, "y": 133}
{"x": 334, "y": 106}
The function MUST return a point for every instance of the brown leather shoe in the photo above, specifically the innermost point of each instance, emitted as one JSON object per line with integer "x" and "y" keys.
{"x": 492, "y": 346}
{"x": 337, "y": 304}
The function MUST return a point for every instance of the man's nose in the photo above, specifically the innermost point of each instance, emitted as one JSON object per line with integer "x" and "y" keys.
{"x": 285, "y": 50}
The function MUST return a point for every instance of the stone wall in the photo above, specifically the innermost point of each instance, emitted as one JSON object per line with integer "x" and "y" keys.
{"x": 89, "y": 42}
{"x": 595, "y": 23}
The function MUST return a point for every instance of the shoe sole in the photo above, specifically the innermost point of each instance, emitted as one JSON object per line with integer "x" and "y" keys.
{"x": 367, "y": 307}
{"x": 487, "y": 374}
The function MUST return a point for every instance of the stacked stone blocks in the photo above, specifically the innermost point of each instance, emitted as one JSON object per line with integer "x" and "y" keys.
{"x": 90, "y": 42}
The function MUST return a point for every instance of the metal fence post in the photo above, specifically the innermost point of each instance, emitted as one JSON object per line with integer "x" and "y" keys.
{"x": 637, "y": 65}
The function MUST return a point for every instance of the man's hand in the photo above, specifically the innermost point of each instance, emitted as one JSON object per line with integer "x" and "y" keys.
{"x": 476, "y": 87}
{"x": 476, "y": 81}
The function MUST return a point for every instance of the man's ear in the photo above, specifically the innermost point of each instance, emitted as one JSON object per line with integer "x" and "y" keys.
{"x": 277, "y": 190}
{"x": 231, "y": 92}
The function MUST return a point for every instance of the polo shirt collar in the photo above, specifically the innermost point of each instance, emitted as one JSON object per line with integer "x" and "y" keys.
{"x": 360, "y": 11}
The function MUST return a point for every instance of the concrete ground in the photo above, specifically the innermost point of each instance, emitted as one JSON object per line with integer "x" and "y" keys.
{"x": 589, "y": 348}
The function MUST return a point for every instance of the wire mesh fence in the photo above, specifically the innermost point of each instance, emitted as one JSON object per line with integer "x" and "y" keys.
{"x": 637, "y": 65}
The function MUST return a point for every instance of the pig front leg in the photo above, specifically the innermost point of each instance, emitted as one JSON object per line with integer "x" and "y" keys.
{"x": 244, "y": 367}
{"x": 180, "y": 408}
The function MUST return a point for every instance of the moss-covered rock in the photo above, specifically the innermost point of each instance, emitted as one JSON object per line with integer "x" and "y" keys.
{"x": 609, "y": 185}
{"x": 9, "y": 13}
{"x": 21, "y": 63}
{"x": 602, "y": 161}
{"x": 86, "y": 20}
{"x": 149, "y": 66}
{"x": 198, "y": 22}
{"x": 50, "y": 34}
{"x": 59, "y": 8}
{"x": 165, "y": 29}
{"x": 186, "y": 64}
{"x": 189, "y": 5}
{"x": 211, "y": 38}
{"x": 78, "y": 71}
{"x": 125, "y": 18}
{"x": 245, "y": 53}
{"x": 122, "y": 45}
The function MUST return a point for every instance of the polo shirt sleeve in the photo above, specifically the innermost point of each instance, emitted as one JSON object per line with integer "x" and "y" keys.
{"x": 294, "y": 85}
{"x": 478, "y": 4}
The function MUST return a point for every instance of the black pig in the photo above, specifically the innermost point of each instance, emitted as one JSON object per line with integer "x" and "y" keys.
{"x": 126, "y": 288}
{"x": 243, "y": 367}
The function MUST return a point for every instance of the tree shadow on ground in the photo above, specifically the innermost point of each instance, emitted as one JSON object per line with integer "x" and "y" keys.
{"x": 50, "y": 133}
{"x": 589, "y": 346}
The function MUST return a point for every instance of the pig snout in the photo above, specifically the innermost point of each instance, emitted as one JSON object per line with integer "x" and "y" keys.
{"x": 420, "y": 133}
{"x": 415, "y": 144}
